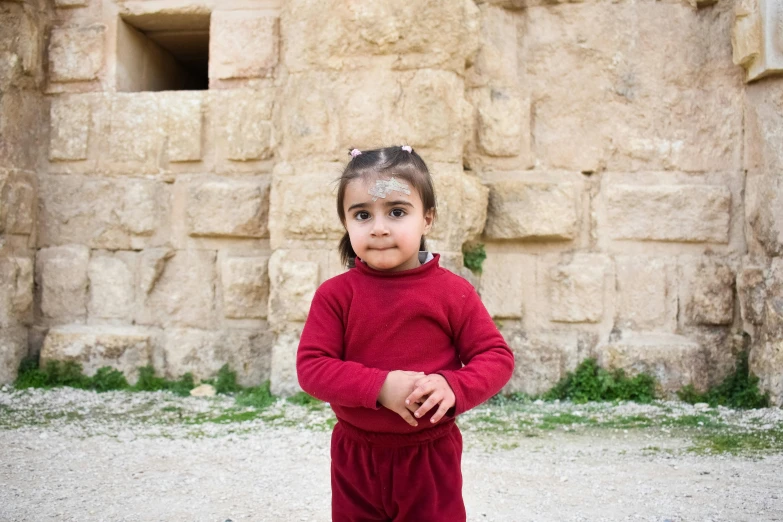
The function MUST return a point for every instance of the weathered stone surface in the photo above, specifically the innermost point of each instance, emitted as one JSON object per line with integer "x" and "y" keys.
{"x": 283, "y": 380}
{"x": 13, "y": 348}
{"x": 69, "y": 129}
{"x": 21, "y": 123}
{"x": 20, "y": 45}
{"x": 646, "y": 295}
{"x": 532, "y": 210}
{"x": 76, "y": 53}
{"x": 204, "y": 352}
{"x": 243, "y": 44}
{"x": 229, "y": 208}
{"x": 673, "y": 360}
{"x": 746, "y": 34}
{"x": 183, "y": 294}
{"x": 303, "y": 207}
{"x": 112, "y": 285}
{"x": 500, "y": 123}
{"x": 205, "y": 390}
{"x": 497, "y": 60}
{"x": 135, "y": 131}
{"x": 606, "y": 93}
{"x": 462, "y": 207}
{"x": 292, "y": 287}
{"x": 403, "y": 32}
{"x": 687, "y": 213}
{"x": 244, "y": 133}
{"x": 752, "y": 292}
{"x": 123, "y": 348}
{"x": 577, "y": 289}
{"x": 711, "y": 292}
{"x": 502, "y": 283}
{"x": 61, "y": 279}
{"x": 324, "y": 115}
{"x": 16, "y": 290}
{"x": 17, "y": 203}
{"x": 766, "y": 354}
{"x": 70, "y": 3}
{"x": 184, "y": 116}
{"x": 101, "y": 213}
{"x": 756, "y": 38}
{"x": 245, "y": 282}
{"x": 542, "y": 359}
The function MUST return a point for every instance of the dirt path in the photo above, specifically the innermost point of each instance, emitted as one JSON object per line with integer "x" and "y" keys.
{"x": 102, "y": 469}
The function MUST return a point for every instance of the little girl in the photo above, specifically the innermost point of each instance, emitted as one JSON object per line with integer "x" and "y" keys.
{"x": 398, "y": 346}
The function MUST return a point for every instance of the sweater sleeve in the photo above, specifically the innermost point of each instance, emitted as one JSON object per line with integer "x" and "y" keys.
{"x": 320, "y": 367}
{"x": 488, "y": 361}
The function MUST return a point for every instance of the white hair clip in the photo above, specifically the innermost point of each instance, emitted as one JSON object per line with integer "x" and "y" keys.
{"x": 356, "y": 152}
{"x": 407, "y": 148}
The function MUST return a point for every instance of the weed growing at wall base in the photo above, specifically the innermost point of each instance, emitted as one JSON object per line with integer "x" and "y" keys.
{"x": 738, "y": 390}
{"x": 589, "y": 382}
{"x": 473, "y": 257}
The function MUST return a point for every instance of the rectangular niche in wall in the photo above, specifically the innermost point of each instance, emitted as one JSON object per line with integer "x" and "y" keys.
{"x": 163, "y": 52}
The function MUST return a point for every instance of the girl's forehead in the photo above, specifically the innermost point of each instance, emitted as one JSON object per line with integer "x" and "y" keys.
{"x": 379, "y": 188}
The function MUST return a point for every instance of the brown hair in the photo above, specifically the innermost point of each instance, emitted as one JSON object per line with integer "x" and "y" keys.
{"x": 389, "y": 161}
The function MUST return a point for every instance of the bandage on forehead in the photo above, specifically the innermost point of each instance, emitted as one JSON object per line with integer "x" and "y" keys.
{"x": 383, "y": 187}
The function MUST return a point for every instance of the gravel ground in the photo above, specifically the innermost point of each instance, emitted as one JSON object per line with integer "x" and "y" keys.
{"x": 68, "y": 454}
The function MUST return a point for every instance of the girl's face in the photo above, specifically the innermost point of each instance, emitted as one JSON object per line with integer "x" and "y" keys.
{"x": 386, "y": 233}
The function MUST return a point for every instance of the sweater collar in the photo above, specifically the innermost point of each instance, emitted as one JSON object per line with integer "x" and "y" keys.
{"x": 424, "y": 269}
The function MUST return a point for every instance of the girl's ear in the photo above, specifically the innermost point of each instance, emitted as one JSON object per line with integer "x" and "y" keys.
{"x": 429, "y": 219}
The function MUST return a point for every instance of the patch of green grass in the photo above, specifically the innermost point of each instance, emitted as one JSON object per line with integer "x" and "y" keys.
{"x": 225, "y": 382}
{"x": 589, "y": 382}
{"x": 628, "y": 421}
{"x": 235, "y": 417}
{"x": 738, "y": 390}
{"x": 565, "y": 418}
{"x": 259, "y": 397}
{"x": 739, "y": 442}
{"x": 473, "y": 257}
{"x": 693, "y": 421}
{"x": 304, "y": 399}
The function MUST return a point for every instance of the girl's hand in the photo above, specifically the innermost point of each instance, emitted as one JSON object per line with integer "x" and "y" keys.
{"x": 396, "y": 387}
{"x": 439, "y": 392}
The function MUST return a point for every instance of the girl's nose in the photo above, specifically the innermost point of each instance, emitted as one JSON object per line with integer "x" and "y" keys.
{"x": 379, "y": 228}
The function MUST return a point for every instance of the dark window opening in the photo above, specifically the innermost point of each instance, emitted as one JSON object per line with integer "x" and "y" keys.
{"x": 163, "y": 52}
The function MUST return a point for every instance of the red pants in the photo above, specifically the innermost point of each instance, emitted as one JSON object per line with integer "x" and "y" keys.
{"x": 397, "y": 477}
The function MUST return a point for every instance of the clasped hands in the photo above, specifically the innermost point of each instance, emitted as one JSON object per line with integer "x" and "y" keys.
{"x": 412, "y": 394}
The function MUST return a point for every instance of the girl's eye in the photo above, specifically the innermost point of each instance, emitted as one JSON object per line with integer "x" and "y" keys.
{"x": 362, "y": 215}
{"x": 397, "y": 212}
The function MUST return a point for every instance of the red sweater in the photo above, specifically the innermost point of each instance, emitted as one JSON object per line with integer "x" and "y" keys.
{"x": 364, "y": 323}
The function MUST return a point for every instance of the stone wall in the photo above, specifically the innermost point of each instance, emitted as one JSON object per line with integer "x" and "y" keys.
{"x": 598, "y": 150}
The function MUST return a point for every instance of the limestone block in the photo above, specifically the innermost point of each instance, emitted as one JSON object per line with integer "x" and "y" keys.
{"x": 756, "y": 38}
{"x": 746, "y": 34}
{"x": 292, "y": 287}
{"x": 752, "y": 293}
{"x": 310, "y": 115}
{"x": 542, "y": 359}
{"x": 16, "y": 290}
{"x": 502, "y": 283}
{"x": 283, "y": 378}
{"x": 533, "y": 210}
{"x": 20, "y": 41}
{"x": 688, "y": 213}
{"x": 462, "y": 207}
{"x": 123, "y": 348}
{"x": 69, "y": 129}
{"x": 646, "y": 299}
{"x": 17, "y": 203}
{"x": 13, "y": 348}
{"x": 204, "y": 352}
{"x": 577, "y": 289}
{"x": 112, "y": 285}
{"x": 401, "y": 31}
{"x": 711, "y": 292}
{"x": 183, "y": 293}
{"x": 500, "y": 121}
{"x": 244, "y": 132}
{"x": 497, "y": 61}
{"x": 229, "y": 208}
{"x": 70, "y": 3}
{"x": 101, "y": 213}
{"x": 21, "y": 109}
{"x": 243, "y": 44}
{"x": 61, "y": 279}
{"x": 245, "y": 287}
{"x": 76, "y": 53}
{"x": 184, "y": 116}
{"x": 302, "y": 207}
{"x": 673, "y": 360}
{"x": 595, "y": 107}
{"x": 136, "y": 130}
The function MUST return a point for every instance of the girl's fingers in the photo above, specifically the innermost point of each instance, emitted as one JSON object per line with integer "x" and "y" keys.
{"x": 416, "y": 395}
{"x": 442, "y": 409}
{"x": 428, "y": 404}
{"x": 407, "y": 417}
